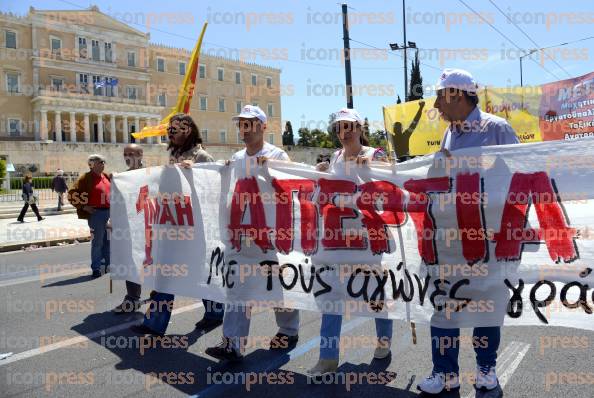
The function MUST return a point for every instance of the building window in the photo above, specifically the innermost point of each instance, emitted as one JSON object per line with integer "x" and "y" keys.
{"x": 82, "y": 47}
{"x": 56, "y": 45}
{"x": 182, "y": 68}
{"x": 270, "y": 110}
{"x": 204, "y": 135}
{"x": 10, "y": 39}
{"x": 131, "y": 93}
{"x": 95, "y": 53}
{"x": 12, "y": 82}
{"x": 221, "y": 105}
{"x": 238, "y": 106}
{"x": 110, "y": 86}
{"x": 162, "y": 99}
{"x": 220, "y": 74}
{"x": 98, "y": 84}
{"x": 83, "y": 82}
{"x": 203, "y": 103}
{"x": 269, "y": 82}
{"x": 271, "y": 138}
{"x": 254, "y": 80}
{"x": 160, "y": 65}
{"x": 222, "y": 136}
{"x": 131, "y": 58}
{"x": 237, "y": 77}
{"x": 57, "y": 84}
{"x": 108, "y": 53}
{"x": 14, "y": 127}
{"x": 202, "y": 71}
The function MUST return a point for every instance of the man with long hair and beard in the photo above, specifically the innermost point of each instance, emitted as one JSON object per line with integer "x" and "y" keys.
{"x": 185, "y": 149}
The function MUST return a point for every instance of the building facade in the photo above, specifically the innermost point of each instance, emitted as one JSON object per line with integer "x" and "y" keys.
{"x": 85, "y": 77}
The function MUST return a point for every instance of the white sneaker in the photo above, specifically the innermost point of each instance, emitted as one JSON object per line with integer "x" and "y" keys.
{"x": 381, "y": 352}
{"x": 436, "y": 383}
{"x": 324, "y": 366}
{"x": 486, "y": 378}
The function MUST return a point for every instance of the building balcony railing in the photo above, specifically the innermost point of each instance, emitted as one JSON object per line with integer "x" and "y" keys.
{"x": 73, "y": 57}
{"x": 83, "y": 95}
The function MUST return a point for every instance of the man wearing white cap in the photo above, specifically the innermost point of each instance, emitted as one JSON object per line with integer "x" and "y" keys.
{"x": 469, "y": 127}
{"x": 251, "y": 123}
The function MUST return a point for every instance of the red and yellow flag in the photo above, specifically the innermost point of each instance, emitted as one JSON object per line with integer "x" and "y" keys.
{"x": 185, "y": 94}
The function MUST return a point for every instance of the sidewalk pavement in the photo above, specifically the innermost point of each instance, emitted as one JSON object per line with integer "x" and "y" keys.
{"x": 53, "y": 230}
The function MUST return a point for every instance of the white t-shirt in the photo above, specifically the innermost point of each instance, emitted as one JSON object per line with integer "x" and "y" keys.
{"x": 366, "y": 152}
{"x": 268, "y": 150}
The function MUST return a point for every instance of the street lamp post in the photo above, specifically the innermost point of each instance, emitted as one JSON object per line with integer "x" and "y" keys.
{"x": 407, "y": 45}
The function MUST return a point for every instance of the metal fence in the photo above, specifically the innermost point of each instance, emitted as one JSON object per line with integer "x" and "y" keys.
{"x": 11, "y": 188}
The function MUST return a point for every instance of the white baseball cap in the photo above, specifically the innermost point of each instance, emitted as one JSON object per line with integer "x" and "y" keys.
{"x": 346, "y": 114}
{"x": 458, "y": 79}
{"x": 251, "y": 112}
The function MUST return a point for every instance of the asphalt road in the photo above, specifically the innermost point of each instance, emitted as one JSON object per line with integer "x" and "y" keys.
{"x": 65, "y": 342}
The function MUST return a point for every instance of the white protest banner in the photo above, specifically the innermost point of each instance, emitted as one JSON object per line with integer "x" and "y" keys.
{"x": 488, "y": 236}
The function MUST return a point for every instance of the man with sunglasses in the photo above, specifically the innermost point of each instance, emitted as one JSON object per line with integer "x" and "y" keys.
{"x": 90, "y": 197}
{"x": 251, "y": 123}
{"x": 457, "y": 102}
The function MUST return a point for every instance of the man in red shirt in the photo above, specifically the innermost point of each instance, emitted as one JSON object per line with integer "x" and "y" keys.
{"x": 90, "y": 197}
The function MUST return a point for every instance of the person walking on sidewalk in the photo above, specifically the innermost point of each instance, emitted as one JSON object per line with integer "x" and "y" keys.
{"x": 30, "y": 199}
{"x": 60, "y": 187}
{"x": 90, "y": 197}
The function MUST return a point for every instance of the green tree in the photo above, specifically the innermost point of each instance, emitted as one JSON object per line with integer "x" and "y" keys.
{"x": 305, "y": 137}
{"x": 399, "y": 101}
{"x": 288, "y": 138}
{"x": 2, "y": 168}
{"x": 378, "y": 140}
{"x": 315, "y": 138}
{"x": 322, "y": 139}
{"x": 366, "y": 128}
{"x": 416, "y": 80}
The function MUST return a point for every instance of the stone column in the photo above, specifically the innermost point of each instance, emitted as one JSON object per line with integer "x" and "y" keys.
{"x": 158, "y": 139}
{"x": 137, "y": 124}
{"x": 72, "y": 127}
{"x": 126, "y": 134}
{"x": 100, "y": 128}
{"x": 112, "y": 128}
{"x": 58, "y": 126}
{"x": 36, "y": 127}
{"x": 87, "y": 128}
{"x": 43, "y": 131}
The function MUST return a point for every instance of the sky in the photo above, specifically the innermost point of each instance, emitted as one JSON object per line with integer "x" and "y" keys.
{"x": 304, "y": 39}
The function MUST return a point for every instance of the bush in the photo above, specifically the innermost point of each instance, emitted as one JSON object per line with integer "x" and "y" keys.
{"x": 2, "y": 168}
{"x": 38, "y": 183}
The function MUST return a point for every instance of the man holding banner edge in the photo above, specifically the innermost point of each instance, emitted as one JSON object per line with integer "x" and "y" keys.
{"x": 469, "y": 127}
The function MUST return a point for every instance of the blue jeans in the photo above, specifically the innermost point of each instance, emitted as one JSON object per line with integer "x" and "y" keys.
{"x": 330, "y": 334}
{"x": 100, "y": 244}
{"x": 445, "y": 345}
{"x": 158, "y": 314}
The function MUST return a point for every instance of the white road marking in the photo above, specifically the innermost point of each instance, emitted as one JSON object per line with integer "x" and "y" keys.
{"x": 513, "y": 365}
{"x": 87, "y": 337}
{"x": 38, "y": 278}
{"x": 508, "y": 362}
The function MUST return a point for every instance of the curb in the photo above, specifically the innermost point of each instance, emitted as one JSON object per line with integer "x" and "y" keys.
{"x": 41, "y": 243}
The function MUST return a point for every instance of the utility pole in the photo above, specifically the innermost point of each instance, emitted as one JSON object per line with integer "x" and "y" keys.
{"x": 522, "y": 56}
{"x": 405, "y": 47}
{"x": 347, "y": 56}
